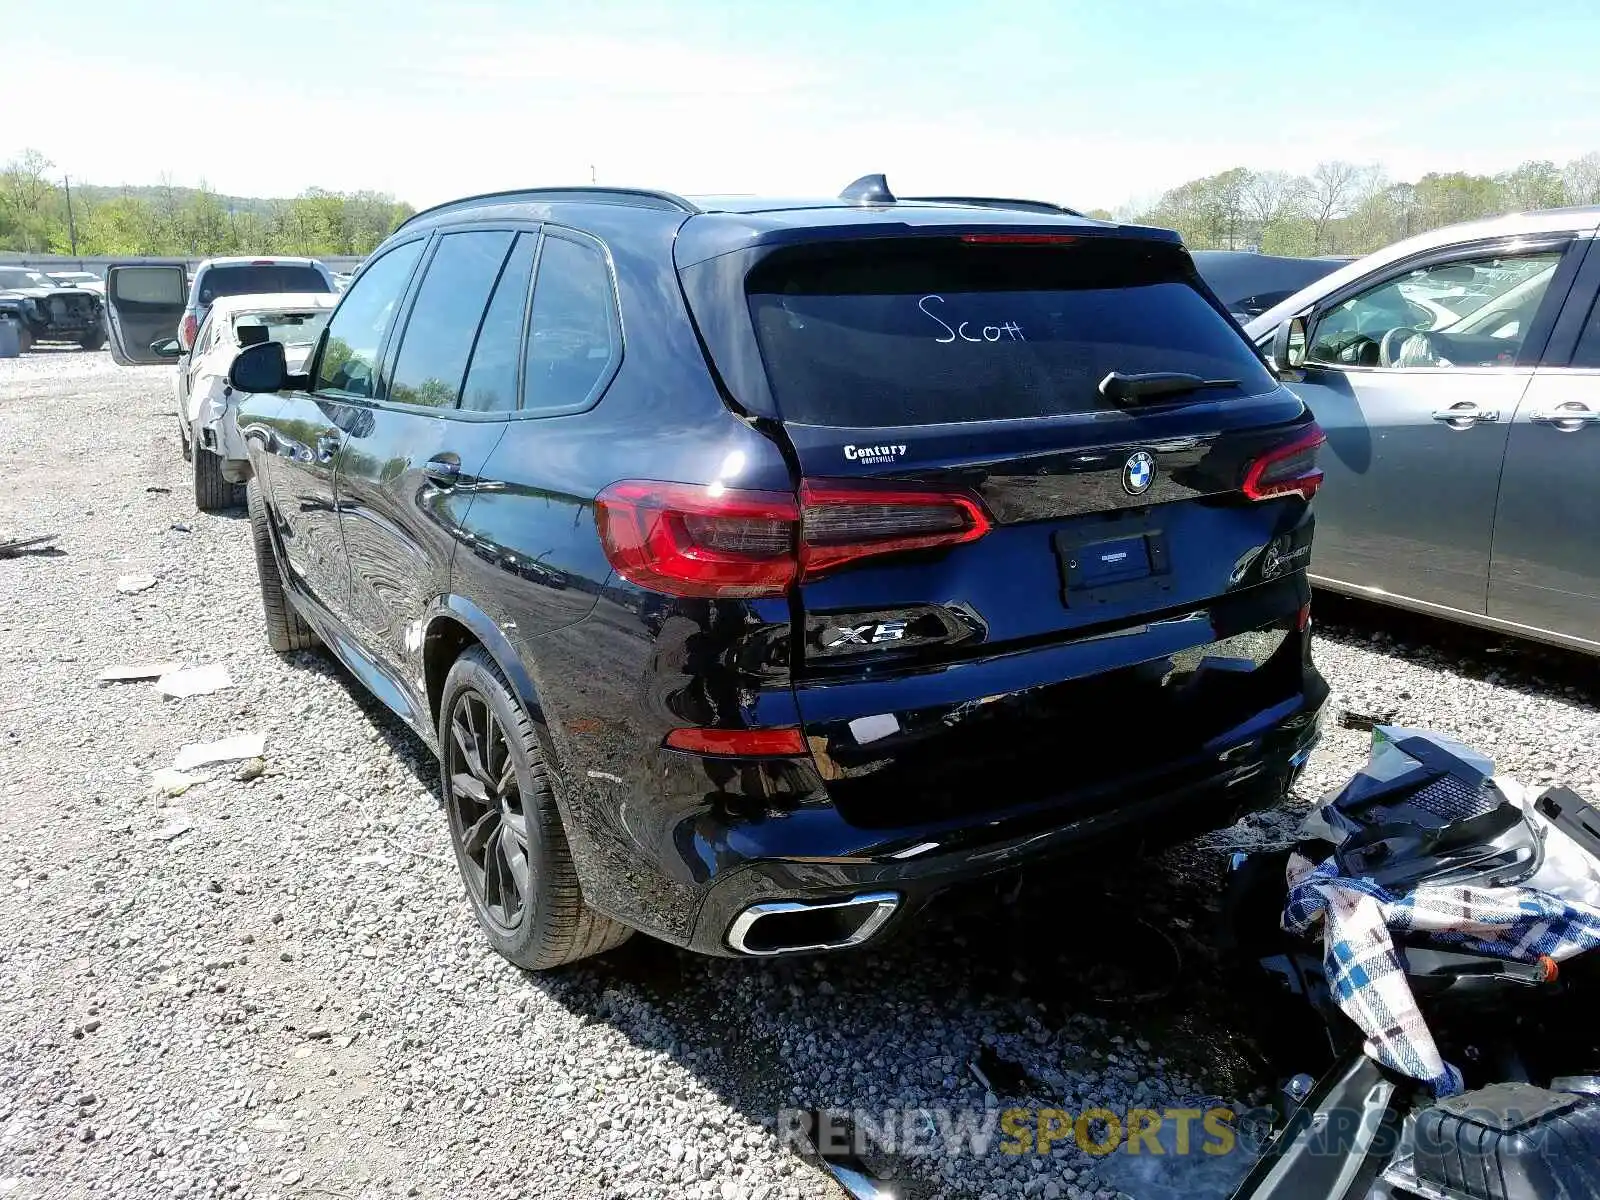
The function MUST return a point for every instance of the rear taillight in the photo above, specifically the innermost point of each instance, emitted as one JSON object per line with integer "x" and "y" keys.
{"x": 1302, "y": 619}
{"x": 844, "y": 523}
{"x": 689, "y": 540}
{"x": 699, "y": 541}
{"x": 1287, "y": 470}
{"x": 190, "y": 328}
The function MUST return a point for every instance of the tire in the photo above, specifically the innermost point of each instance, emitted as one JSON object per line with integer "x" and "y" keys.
{"x": 93, "y": 340}
{"x": 286, "y": 629}
{"x": 213, "y": 493}
{"x": 540, "y": 920}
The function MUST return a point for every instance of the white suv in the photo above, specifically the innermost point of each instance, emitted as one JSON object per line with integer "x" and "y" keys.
{"x": 247, "y": 276}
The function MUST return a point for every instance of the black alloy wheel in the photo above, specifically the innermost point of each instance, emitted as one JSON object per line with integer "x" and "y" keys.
{"x": 487, "y": 813}
{"x": 505, "y": 826}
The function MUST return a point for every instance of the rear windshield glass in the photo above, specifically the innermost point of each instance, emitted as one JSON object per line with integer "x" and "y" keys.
{"x": 247, "y": 279}
{"x": 937, "y": 330}
{"x": 290, "y": 328}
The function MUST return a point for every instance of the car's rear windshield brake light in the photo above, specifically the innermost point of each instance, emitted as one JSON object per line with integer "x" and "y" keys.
{"x": 1018, "y": 239}
{"x": 688, "y": 540}
{"x": 1287, "y": 470}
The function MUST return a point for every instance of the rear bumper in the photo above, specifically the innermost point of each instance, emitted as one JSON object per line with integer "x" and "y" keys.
{"x": 813, "y": 855}
{"x": 217, "y": 429}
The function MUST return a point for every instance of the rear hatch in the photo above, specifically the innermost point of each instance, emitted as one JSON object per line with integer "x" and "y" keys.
{"x": 1010, "y": 565}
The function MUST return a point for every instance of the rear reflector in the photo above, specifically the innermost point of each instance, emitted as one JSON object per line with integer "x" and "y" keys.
{"x": 1287, "y": 470}
{"x": 1302, "y": 620}
{"x": 745, "y": 743}
{"x": 688, "y": 540}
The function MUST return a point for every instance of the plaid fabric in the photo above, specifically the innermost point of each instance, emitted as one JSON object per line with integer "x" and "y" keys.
{"x": 1364, "y": 973}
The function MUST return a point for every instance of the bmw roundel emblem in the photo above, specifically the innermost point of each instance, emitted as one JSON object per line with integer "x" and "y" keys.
{"x": 1138, "y": 473}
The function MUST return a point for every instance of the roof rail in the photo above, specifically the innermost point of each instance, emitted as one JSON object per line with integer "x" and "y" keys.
{"x": 1038, "y": 206}
{"x": 637, "y": 197}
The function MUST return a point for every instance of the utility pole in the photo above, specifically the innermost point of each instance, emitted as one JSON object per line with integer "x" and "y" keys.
{"x": 592, "y": 178}
{"x": 72, "y": 228}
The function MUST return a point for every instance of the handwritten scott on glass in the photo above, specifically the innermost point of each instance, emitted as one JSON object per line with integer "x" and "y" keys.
{"x": 1010, "y": 331}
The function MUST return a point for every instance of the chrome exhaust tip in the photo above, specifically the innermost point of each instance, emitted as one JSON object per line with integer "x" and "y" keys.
{"x": 798, "y": 926}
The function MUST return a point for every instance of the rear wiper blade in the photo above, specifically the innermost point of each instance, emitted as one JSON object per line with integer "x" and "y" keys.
{"x": 1130, "y": 389}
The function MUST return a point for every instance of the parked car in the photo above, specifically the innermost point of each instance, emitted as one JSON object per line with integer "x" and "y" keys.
{"x": 206, "y": 405}
{"x": 759, "y": 569}
{"x": 52, "y": 312}
{"x": 1250, "y": 283}
{"x": 217, "y": 277}
{"x": 1457, "y": 375}
{"x": 87, "y": 280}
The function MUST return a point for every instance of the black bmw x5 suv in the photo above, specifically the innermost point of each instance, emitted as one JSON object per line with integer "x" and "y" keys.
{"x": 760, "y": 568}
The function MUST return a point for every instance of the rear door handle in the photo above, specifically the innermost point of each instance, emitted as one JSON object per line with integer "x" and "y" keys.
{"x": 1466, "y": 414}
{"x": 1572, "y": 415}
{"x": 443, "y": 470}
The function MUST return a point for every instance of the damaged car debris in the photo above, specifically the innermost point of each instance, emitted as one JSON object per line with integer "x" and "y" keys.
{"x": 32, "y": 544}
{"x": 1441, "y": 923}
{"x": 51, "y": 311}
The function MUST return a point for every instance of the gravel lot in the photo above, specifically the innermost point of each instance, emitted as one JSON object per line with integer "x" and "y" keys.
{"x": 289, "y": 997}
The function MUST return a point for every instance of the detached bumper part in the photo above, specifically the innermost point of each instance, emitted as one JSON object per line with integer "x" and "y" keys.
{"x": 1511, "y": 1141}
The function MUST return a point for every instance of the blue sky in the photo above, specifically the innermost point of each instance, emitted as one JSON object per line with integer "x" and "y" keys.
{"x": 1090, "y": 104}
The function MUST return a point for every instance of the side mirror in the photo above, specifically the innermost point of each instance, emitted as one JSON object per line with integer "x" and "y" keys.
{"x": 1289, "y": 349}
{"x": 260, "y": 368}
{"x": 166, "y": 348}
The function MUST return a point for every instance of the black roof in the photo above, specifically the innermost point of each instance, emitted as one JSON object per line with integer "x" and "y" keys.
{"x": 707, "y": 226}
{"x": 670, "y": 202}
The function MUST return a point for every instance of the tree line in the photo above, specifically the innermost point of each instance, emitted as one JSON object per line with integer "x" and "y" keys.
{"x": 1340, "y": 208}
{"x": 1345, "y": 208}
{"x": 186, "y": 222}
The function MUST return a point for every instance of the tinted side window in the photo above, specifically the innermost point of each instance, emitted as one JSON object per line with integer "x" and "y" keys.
{"x": 572, "y": 330}
{"x": 355, "y": 334}
{"x": 492, "y": 379}
{"x": 138, "y": 285}
{"x": 444, "y": 320}
{"x": 1466, "y": 313}
{"x": 1588, "y": 352}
